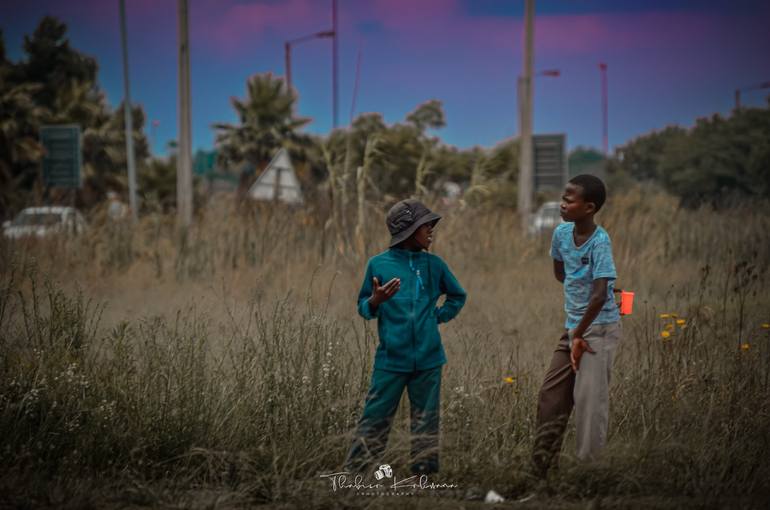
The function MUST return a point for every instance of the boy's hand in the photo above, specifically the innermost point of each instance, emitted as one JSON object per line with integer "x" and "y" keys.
{"x": 380, "y": 294}
{"x": 579, "y": 346}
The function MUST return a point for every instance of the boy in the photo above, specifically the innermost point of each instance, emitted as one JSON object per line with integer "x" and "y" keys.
{"x": 579, "y": 373}
{"x": 401, "y": 289}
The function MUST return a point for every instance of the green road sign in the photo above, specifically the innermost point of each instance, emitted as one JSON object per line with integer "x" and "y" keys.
{"x": 63, "y": 155}
{"x": 204, "y": 162}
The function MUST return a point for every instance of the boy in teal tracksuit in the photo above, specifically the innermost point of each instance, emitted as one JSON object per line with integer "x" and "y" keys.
{"x": 401, "y": 289}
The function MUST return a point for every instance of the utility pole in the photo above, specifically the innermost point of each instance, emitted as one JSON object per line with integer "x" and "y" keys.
{"x": 287, "y": 64}
{"x": 334, "y": 62}
{"x": 525, "y": 120}
{"x": 128, "y": 120}
{"x": 184, "y": 154}
{"x": 355, "y": 86}
{"x": 605, "y": 130}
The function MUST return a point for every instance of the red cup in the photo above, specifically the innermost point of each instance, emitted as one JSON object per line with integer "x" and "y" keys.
{"x": 626, "y": 302}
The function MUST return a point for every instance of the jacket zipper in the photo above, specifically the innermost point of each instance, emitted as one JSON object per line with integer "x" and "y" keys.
{"x": 414, "y": 298}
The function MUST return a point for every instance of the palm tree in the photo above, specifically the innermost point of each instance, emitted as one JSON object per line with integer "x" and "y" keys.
{"x": 266, "y": 123}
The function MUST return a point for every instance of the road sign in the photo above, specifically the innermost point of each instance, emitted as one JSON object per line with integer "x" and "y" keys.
{"x": 63, "y": 155}
{"x": 278, "y": 181}
{"x": 549, "y": 161}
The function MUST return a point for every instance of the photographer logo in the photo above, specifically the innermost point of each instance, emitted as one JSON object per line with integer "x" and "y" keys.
{"x": 385, "y": 483}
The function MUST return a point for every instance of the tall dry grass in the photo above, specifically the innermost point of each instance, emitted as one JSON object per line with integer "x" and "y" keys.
{"x": 230, "y": 359}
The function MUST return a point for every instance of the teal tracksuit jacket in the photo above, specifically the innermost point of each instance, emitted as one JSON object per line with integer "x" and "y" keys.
{"x": 408, "y": 322}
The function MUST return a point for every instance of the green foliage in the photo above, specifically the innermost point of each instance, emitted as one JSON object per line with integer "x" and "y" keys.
{"x": 56, "y": 84}
{"x": 266, "y": 123}
{"x": 157, "y": 180}
{"x": 52, "y": 63}
{"x": 719, "y": 160}
{"x": 427, "y": 115}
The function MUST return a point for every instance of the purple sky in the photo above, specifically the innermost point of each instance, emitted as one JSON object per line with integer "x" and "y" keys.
{"x": 670, "y": 61}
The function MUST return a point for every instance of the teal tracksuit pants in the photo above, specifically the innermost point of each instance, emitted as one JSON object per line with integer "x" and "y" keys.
{"x": 424, "y": 389}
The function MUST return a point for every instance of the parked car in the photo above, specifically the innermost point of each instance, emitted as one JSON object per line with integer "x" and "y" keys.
{"x": 545, "y": 219}
{"x": 44, "y": 222}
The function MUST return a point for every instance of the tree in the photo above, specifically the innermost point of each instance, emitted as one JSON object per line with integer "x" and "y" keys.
{"x": 52, "y": 63}
{"x": 429, "y": 114}
{"x": 56, "y": 84}
{"x": 266, "y": 123}
{"x": 641, "y": 157}
{"x": 719, "y": 158}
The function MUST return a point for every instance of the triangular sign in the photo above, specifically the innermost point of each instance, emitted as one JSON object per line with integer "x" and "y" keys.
{"x": 278, "y": 181}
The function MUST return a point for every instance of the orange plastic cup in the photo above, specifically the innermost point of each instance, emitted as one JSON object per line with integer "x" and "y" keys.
{"x": 626, "y": 302}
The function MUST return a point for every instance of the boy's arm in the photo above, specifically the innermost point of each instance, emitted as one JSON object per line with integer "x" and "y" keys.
{"x": 603, "y": 271}
{"x": 558, "y": 270}
{"x": 595, "y": 304}
{"x": 372, "y": 294}
{"x": 455, "y": 295}
{"x": 558, "y": 261}
{"x": 365, "y": 310}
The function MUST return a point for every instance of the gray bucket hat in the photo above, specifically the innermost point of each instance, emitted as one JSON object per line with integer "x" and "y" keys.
{"x": 406, "y": 217}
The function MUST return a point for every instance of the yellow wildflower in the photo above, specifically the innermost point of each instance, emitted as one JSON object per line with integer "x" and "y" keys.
{"x": 674, "y": 315}
{"x": 766, "y": 325}
{"x": 665, "y": 334}
{"x": 745, "y": 346}
{"x": 508, "y": 379}
{"x": 680, "y": 322}
{"x": 669, "y": 327}
{"x": 665, "y": 315}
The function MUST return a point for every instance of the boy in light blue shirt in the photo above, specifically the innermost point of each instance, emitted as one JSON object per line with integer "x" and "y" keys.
{"x": 579, "y": 374}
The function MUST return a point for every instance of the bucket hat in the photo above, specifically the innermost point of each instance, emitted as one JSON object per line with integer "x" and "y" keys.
{"x": 406, "y": 217}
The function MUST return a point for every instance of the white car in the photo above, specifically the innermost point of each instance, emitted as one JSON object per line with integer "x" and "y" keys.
{"x": 45, "y": 221}
{"x": 546, "y": 218}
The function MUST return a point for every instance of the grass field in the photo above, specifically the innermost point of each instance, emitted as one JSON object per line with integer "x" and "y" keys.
{"x": 227, "y": 368}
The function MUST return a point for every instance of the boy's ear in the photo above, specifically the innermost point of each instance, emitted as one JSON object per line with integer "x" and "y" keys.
{"x": 590, "y": 207}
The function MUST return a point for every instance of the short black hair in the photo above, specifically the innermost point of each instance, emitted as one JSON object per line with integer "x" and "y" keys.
{"x": 593, "y": 189}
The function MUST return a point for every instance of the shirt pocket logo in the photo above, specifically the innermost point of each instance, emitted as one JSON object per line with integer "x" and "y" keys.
{"x": 584, "y": 260}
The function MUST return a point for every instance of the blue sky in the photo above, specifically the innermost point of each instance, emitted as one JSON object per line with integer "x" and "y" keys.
{"x": 669, "y": 62}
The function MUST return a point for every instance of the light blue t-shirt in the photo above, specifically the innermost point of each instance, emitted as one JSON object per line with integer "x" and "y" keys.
{"x": 583, "y": 265}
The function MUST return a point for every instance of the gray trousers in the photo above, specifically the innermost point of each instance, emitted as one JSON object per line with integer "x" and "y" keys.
{"x": 587, "y": 391}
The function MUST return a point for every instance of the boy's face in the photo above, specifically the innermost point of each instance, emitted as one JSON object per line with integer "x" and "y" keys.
{"x": 423, "y": 236}
{"x": 573, "y": 206}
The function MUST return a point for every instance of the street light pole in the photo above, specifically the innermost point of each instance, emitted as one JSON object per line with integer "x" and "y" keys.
{"x": 128, "y": 120}
{"x": 334, "y": 63}
{"x": 355, "y": 87}
{"x": 287, "y": 51}
{"x": 525, "y": 122}
{"x": 605, "y": 142}
{"x": 184, "y": 157}
{"x": 551, "y": 73}
{"x": 287, "y": 64}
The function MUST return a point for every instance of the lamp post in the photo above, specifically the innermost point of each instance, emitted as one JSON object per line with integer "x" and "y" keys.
{"x": 318, "y": 35}
{"x": 128, "y": 120}
{"x": 334, "y": 64}
{"x": 551, "y": 73}
{"x": 605, "y": 143}
{"x": 526, "y": 150}
{"x": 760, "y": 86}
{"x": 526, "y": 173}
{"x": 287, "y": 50}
